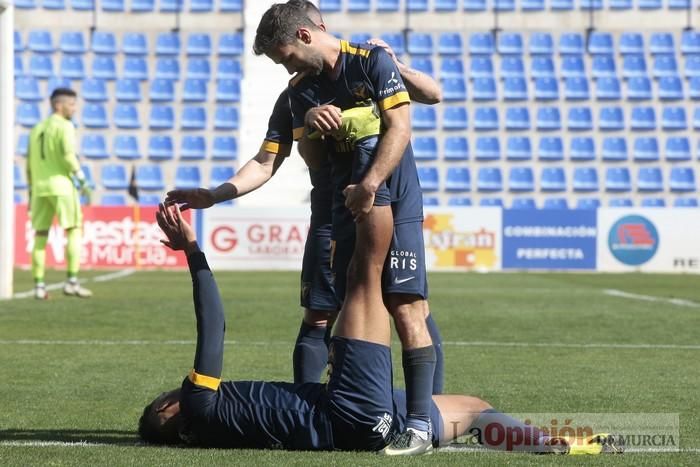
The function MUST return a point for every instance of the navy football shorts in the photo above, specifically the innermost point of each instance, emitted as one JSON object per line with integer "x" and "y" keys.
{"x": 317, "y": 292}
{"x": 364, "y": 153}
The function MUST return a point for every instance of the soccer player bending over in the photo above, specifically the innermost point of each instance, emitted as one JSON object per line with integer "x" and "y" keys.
{"x": 357, "y": 410}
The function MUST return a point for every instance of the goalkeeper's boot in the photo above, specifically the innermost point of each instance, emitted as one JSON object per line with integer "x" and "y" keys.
{"x": 601, "y": 443}
{"x": 40, "y": 292}
{"x": 74, "y": 289}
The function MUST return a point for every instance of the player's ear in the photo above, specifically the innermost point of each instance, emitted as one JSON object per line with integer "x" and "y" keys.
{"x": 304, "y": 35}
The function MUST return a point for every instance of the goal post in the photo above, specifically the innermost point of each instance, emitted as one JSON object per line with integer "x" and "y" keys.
{"x": 7, "y": 123}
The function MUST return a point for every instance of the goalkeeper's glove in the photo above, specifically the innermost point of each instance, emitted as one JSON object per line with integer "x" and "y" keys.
{"x": 84, "y": 186}
{"x": 357, "y": 123}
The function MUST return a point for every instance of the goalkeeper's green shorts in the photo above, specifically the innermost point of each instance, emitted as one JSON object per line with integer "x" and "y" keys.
{"x": 65, "y": 207}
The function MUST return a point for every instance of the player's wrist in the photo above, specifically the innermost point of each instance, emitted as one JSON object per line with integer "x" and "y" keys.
{"x": 370, "y": 185}
{"x": 191, "y": 247}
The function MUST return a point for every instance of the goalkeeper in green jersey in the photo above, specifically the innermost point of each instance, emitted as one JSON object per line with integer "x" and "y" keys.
{"x": 52, "y": 173}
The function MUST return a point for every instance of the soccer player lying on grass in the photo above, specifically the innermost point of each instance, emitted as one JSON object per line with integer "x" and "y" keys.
{"x": 356, "y": 410}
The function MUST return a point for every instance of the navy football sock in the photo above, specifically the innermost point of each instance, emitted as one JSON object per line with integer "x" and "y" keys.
{"x": 439, "y": 377}
{"x": 310, "y": 353}
{"x": 496, "y": 430}
{"x": 419, "y": 368}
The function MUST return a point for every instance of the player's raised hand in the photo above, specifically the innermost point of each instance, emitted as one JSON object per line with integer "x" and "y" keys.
{"x": 359, "y": 201}
{"x": 180, "y": 234}
{"x": 324, "y": 118}
{"x": 198, "y": 198}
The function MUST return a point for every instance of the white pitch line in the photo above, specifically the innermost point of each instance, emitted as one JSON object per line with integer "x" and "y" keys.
{"x": 46, "y": 444}
{"x": 58, "y": 285}
{"x": 651, "y": 298}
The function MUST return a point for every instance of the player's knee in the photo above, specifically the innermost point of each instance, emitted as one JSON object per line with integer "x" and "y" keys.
{"x": 407, "y": 308}
{"x": 318, "y": 318}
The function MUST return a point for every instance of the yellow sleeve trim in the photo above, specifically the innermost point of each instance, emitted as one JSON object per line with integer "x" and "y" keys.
{"x": 297, "y": 133}
{"x": 393, "y": 101}
{"x": 345, "y": 47}
{"x": 204, "y": 381}
{"x": 276, "y": 148}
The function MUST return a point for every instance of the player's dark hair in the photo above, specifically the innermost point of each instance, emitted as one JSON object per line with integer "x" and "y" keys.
{"x": 279, "y": 25}
{"x": 62, "y": 92}
{"x": 151, "y": 431}
{"x": 311, "y": 10}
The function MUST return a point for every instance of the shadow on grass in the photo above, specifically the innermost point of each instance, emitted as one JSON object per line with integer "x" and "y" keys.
{"x": 115, "y": 437}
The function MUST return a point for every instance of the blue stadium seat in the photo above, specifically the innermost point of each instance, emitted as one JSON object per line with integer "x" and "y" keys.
{"x": 515, "y": 89}
{"x": 126, "y": 117}
{"x": 161, "y": 118}
{"x": 517, "y": 119}
{"x": 431, "y": 201}
{"x": 19, "y": 182}
{"x": 580, "y": 119}
{"x": 590, "y": 5}
{"x": 690, "y": 43}
{"x": 198, "y": 44}
{"x": 484, "y": 89}
{"x": 674, "y": 119}
{"x": 650, "y": 4}
{"x": 653, "y": 203}
{"x": 109, "y": 199}
{"x": 228, "y": 90}
{"x": 571, "y": 43}
{"x": 450, "y": 43}
{"x": 104, "y": 68}
{"x": 171, "y": 6}
{"x": 639, "y": 89}
{"x": 548, "y": 119}
{"x": 94, "y": 90}
{"x": 481, "y": 44}
{"x": 226, "y": 118}
{"x": 198, "y": 68}
{"x": 561, "y": 5}
{"x": 550, "y": 148}
{"x": 135, "y": 68}
{"x": 358, "y": 6}
{"x": 523, "y": 202}
{"x": 19, "y": 66}
{"x": 22, "y": 144}
{"x": 481, "y": 67}
{"x": 330, "y": 6}
{"x": 27, "y": 89}
{"x": 546, "y": 89}
{"x": 572, "y": 66}
{"x": 168, "y": 43}
{"x": 682, "y": 179}
{"x": 425, "y": 148}
{"x": 104, "y": 43}
{"x": 486, "y": 119}
{"x": 521, "y": 179}
{"x": 95, "y": 116}
{"x": 41, "y": 66}
{"x": 18, "y": 44}
{"x": 474, "y": 5}
{"x": 488, "y": 148}
{"x": 510, "y": 43}
{"x": 72, "y": 67}
{"x": 670, "y": 88}
{"x": 454, "y": 118}
{"x": 504, "y": 5}
{"x": 445, "y": 5}
{"x": 662, "y": 43}
{"x": 113, "y": 177}
{"x": 643, "y": 119}
{"x": 395, "y": 41}
{"x": 456, "y": 148}
{"x": 423, "y": 118}
{"x": 696, "y": 119}
{"x": 162, "y": 90}
{"x": 127, "y": 90}
{"x": 614, "y": 149}
{"x": 201, "y": 6}
{"x": 146, "y": 199}
{"x": 646, "y": 149}
{"x": 93, "y": 146}
{"x": 532, "y": 5}
{"x": 134, "y": 43}
{"x": 587, "y": 203}
{"x": 40, "y": 41}
{"x": 649, "y": 179}
{"x": 457, "y": 179}
{"x": 231, "y": 44}
{"x": 585, "y": 179}
{"x": 518, "y": 148}
{"x": 685, "y": 203}
{"x": 454, "y": 89}
{"x": 555, "y": 203}
{"x": 142, "y": 6}
{"x": 576, "y": 89}
{"x": 582, "y": 148}
{"x": 491, "y": 202}
{"x": 194, "y": 90}
{"x": 634, "y": 66}
{"x": 160, "y": 148}
{"x": 72, "y": 43}
{"x": 611, "y": 119}
{"x": 664, "y": 65}
{"x": 631, "y": 43}
{"x": 542, "y": 66}
{"x": 25, "y": 4}
{"x": 620, "y": 203}
{"x": 601, "y": 43}
{"x": 219, "y": 175}
{"x": 360, "y": 37}
{"x": 541, "y": 43}
{"x": 55, "y": 82}
{"x": 692, "y": 66}
{"x": 425, "y": 65}
{"x": 420, "y": 43}
{"x": 428, "y": 178}
{"x": 603, "y": 66}
{"x": 126, "y": 147}
{"x": 83, "y": 5}
{"x": 231, "y": 6}
{"x": 489, "y": 179}
{"x": 512, "y": 67}
{"x": 113, "y": 6}
{"x": 187, "y": 177}
{"x": 167, "y": 68}
{"x": 677, "y": 149}
{"x": 150, "y": 177}
{"x": 229, "y": 69}
{"x": 608, "y": 89}
{"x": 193, "y": 148}
{"x": 224, "y": 148}
{"x": 456, "y": 201}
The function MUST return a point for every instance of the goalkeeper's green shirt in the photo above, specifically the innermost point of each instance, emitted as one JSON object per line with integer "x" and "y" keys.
{"x": 51, "y": 157}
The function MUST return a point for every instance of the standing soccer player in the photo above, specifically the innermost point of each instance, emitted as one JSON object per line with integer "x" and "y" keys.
{"x": 52, "y": 167}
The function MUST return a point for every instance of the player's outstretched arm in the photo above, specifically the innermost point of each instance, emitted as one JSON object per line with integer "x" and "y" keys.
{"x": 421, "y": 87}
{"x": 209, "y": 311}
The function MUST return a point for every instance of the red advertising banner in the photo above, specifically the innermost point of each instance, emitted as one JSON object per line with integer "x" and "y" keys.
{"x": 113, "y": 237}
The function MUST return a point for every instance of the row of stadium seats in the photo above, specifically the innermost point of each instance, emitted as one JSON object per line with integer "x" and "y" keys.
{"x": 136, "y": 6}
{"x": 526, "y": 202}
{"x": 132, "y": 43}
{"x": 420, "y": 6}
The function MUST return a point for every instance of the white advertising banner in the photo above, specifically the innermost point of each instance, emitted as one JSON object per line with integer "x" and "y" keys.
{"x": 463, "y": 239}
{"x": 649, "y": 240}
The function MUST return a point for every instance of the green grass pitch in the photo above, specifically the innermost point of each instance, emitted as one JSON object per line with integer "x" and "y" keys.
{"x": 64, "y": 388}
